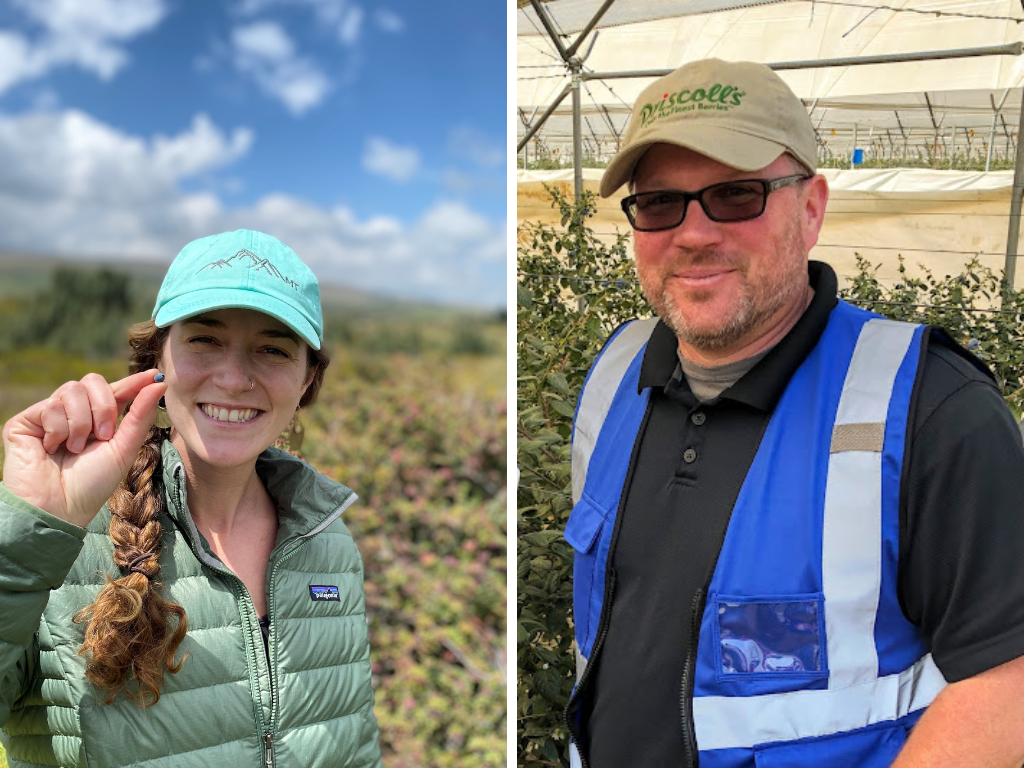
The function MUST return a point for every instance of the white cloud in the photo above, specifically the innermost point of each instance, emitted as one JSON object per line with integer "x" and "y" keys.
{"x": 72, "y": 156}
{"x": 344, "y": 16}
{"x": 88, "y": 35}
{"x": 202, "y": 148}
{"x": 472, "y": 144}
{"x": 74, "y": 185}
{"x": 351, "y": 25}
{"x": 464, "y": 184}
{"x": 264, "y": 40}
{"x": 392, "y": 161}
{"x": 264, "y": 51}
{"x": 389, "y": 21}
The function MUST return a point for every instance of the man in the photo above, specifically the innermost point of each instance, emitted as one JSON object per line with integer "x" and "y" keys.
{"x": 797, "y": 525}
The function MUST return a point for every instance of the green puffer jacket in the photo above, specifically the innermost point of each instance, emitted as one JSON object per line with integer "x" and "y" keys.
{"x": 312, "y": 706}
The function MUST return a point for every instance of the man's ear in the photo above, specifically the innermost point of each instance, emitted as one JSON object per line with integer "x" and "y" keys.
{"x": 815, "y": 198}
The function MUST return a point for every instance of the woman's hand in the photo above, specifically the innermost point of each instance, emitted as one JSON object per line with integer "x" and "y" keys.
{"x": 63, "y": 454}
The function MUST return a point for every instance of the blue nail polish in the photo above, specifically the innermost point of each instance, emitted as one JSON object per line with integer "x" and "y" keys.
{"x": 158, "y": 378}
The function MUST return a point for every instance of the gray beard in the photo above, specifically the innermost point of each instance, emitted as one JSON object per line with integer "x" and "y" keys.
{"x": 757, "y": 305}
{"x": 745, "y": 319}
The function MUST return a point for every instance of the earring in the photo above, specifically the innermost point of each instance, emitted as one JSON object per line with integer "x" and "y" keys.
{"x": 163, "y": 421}
{"x": 295, "y": 434}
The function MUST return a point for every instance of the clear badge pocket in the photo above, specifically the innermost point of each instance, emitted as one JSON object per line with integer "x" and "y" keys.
{"x": 770, "y": 636}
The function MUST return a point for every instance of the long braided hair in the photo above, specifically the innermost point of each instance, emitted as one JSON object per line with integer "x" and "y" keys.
{"x": 132, "y": 631}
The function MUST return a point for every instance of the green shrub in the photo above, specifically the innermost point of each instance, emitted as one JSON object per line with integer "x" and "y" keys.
{"x": 423, "y": 442}
{"x": 82, "y": 312}
{"x": 572, "y": 291}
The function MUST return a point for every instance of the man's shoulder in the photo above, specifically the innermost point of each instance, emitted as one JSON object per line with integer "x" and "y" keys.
{"x": 647, "y": 336}
{"x": 951, "y": 374}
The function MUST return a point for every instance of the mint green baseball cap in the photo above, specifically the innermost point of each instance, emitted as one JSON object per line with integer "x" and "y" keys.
{"x": 244, "y": 269}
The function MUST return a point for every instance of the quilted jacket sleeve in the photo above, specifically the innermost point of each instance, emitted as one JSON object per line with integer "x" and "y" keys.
{"x": 36, "y": 552}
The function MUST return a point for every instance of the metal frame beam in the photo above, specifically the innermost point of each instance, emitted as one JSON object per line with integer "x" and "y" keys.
{"x": 543, "y": 118}
{"x": 1009, "y": 49}
{"x": 575, "y": 66}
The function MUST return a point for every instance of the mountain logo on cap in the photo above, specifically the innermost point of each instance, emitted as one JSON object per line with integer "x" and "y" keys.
{"x": 716, "y": 97}
{"x": 263, "y": 265}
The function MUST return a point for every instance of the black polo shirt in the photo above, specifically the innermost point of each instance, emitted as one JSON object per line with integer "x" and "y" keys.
{"x": 961, "y": 528}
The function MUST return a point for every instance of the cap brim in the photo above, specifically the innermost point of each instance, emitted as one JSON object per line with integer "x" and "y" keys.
{"x": 197, "y": 302}
{"x": 733, "y": 148}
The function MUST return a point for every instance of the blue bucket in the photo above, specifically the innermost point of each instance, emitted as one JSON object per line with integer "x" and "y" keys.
{"x": 858, "y": 156}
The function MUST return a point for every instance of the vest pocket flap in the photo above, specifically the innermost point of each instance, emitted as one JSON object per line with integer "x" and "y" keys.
{"x": 872, "y": 747}
{"x": 585, "y": 522}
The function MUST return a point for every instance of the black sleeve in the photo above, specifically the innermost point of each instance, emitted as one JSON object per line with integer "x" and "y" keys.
{"x": 961, "y": 576}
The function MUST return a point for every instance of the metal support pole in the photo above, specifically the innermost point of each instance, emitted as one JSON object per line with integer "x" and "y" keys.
{"x": 543, "y": 118}
{"x": 991, "y": 141}
{"x": 992, "y": 130}
{"x": 903, "y": 133}
{"x": 935, "y": 127}
{"x": 549, "y": 27}
{"x": 1010, "y": 269}
{"x": 577, "y": 129}
{"x": 853, "y": 150}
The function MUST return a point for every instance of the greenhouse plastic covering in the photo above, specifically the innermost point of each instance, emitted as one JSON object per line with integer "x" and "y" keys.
{"x": 962, "y": 93}
{"x": 572, "y": 16}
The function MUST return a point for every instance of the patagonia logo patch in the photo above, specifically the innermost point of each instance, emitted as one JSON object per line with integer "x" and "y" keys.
{"x": 320, "y": 593}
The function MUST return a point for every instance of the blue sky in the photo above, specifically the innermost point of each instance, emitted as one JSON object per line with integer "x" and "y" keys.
{"x": 368, "y": 136}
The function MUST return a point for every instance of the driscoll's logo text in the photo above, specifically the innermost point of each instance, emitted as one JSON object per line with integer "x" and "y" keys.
{"x": 718, "y": 96}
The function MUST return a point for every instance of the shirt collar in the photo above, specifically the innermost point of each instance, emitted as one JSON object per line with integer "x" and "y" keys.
{"x": 304, "y": 497}
{"x": 763, "y": 385}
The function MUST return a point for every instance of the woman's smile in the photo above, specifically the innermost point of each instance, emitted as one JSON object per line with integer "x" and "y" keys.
{"x": 225, "y": 414}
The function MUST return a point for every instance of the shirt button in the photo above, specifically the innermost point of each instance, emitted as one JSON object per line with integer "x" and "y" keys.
{"x": 698, "y": 418}
{"x": 689, "y": 455}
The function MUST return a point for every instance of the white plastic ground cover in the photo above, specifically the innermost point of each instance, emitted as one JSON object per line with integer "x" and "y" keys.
{"x": 940, "y": 219}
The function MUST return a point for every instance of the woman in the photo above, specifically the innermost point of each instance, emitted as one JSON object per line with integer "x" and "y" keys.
{"x": 188, "y": 546}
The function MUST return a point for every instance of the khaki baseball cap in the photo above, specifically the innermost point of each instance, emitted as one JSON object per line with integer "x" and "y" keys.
{"x": 739, "y": 113}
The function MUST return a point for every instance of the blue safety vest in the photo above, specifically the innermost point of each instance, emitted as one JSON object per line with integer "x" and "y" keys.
{"x": 803, "y": 657}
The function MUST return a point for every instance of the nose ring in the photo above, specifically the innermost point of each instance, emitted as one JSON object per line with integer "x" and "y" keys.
{"x": 251, "y": 384}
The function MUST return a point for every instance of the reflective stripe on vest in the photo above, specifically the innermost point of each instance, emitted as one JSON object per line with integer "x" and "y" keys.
{"x": 852, "y": 531}
{"x": 851, "y": 574}
{"x": 850, "y": 692}
{"x": 599, "y": 390}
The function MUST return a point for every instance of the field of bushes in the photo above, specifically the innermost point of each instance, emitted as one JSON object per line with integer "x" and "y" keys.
{"x": 412, "y": 416}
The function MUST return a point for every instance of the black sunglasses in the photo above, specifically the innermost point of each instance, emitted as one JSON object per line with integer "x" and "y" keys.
{"x": 726, "y": 201}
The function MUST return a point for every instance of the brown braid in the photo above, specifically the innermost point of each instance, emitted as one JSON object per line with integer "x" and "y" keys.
{"x": 133, "y": 633}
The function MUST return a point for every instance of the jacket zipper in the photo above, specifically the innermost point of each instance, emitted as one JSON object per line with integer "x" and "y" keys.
{"x": 270, "y": 643}
{"x": 268, "y": 735}
{"x": 268, "y": 748}
{"x": 686, "y": 692}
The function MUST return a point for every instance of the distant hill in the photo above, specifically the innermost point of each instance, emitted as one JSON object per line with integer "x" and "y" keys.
{"x": 25, "y": 274}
